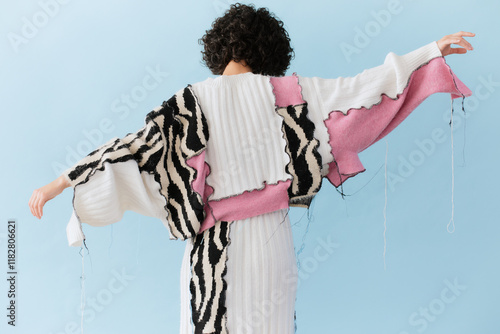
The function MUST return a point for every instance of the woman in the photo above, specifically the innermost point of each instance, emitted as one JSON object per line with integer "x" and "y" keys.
{"x": 222, "y": 160}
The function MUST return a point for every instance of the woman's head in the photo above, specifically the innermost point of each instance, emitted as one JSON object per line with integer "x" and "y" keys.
{"x": 253, "y": 35}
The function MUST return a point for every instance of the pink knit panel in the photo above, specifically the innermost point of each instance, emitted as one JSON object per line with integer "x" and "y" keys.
{"x": 249, "y": 204}
{"x": 360, "y": 128}
{"x": 287, "y": 91}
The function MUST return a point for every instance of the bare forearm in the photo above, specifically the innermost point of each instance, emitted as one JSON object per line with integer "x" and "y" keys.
{"x": 62, "y": 182}
{"x": 41, "y": 195}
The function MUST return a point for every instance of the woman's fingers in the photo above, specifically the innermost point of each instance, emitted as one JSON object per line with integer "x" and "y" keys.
{"x": 457, "y": 50}
{"x": 462, "y": 42}
{"x": 458, "y": 39}
{"x": 36, "y": 203}
{"x": 37, "y": 206}
{"x": 40, "y": 209}
{"x": 32, "y": 202}
{"x": 464, "y": 33}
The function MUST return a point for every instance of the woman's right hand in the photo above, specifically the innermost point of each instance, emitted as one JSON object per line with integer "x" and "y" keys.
{"x": 445, "y": 43}
{"x": 41, "y": 195}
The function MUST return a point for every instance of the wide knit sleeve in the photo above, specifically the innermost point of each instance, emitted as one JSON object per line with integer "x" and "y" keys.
{"x": 147, "y": 171}
{"x": 353, "y": 113}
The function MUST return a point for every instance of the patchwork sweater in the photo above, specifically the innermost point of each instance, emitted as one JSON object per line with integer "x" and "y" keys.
{"x": 237, "y": 146}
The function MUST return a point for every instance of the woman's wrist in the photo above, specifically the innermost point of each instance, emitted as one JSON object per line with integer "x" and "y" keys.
{"x": 62, "y": 182}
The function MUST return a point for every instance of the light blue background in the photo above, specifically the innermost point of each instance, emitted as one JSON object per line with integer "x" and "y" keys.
{"x": 70, "y": 75}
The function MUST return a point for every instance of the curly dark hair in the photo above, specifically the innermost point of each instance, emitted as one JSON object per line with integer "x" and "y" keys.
{"x": 253, "y": 35}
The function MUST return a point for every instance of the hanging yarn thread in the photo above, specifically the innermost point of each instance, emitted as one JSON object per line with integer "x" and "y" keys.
{"x": 82, "y": 295}
{"x": 465, "y": 130}
{"x": 385, "y": 203}
{"x": 82, "y": 283}
{"x": 303, "y": 245}
{"x": 452, "y": 221}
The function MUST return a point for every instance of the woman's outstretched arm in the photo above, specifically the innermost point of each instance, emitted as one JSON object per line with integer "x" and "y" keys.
{"x": 41, "y": 195}
{"x": 148, "y": 171}
{"x": 353, "y": 113}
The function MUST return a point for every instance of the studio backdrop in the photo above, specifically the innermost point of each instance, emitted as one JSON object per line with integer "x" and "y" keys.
{"x": 408, "y": 246}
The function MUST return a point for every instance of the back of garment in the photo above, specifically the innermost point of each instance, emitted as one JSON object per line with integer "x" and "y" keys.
{"x": 222, "y": 160}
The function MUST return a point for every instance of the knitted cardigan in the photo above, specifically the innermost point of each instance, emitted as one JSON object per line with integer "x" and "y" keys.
{"x": 163, "y": 170}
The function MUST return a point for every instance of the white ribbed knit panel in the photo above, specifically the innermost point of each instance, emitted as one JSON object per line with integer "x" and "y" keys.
{"x": 261, "y": 277}
{"x": 246, "y": 146}
{"x": 104, "y": 198}
{"x": 366, "y": 88}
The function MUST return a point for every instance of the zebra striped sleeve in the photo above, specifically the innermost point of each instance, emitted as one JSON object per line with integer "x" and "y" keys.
{"x": 145, "y": 146}
{"x": 153, "y": 172}
{"x": 116, "y": 177}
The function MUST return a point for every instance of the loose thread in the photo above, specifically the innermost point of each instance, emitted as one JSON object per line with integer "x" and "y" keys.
{"x": 452, "y": 222}
{"x": 385, "y": 203}
{"x": 300, "y": 219}
{"x": 370, "y": 180}
{"x": 303, "y": 245}
{"x": 361, "y": 188}
{"x": 341, "y": 192}
{"x": 82, "y": 279}
{"x": 88, "y": 253}
{"x": 85, "y": 244}
{"x": 310, "y": 208}
{"x": 282, "y": 221}
{"x": 465, "y": 126}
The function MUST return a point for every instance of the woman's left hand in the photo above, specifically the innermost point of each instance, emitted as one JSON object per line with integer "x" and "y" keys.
{"x": 444, "y": 43}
